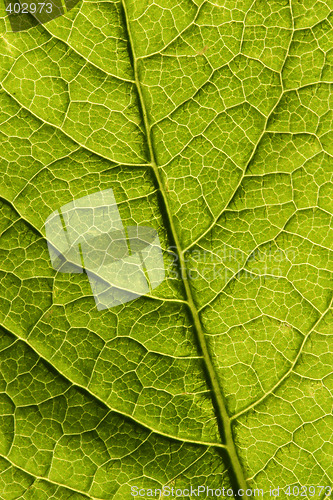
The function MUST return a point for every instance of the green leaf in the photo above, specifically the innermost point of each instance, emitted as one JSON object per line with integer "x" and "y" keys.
{"x": 211, "y": 121}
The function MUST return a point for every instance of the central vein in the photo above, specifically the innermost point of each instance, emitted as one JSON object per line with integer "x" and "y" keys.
{"x": 223, "y": 418}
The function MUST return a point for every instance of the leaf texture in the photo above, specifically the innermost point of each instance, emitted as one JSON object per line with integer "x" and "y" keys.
{"x": 212, "y": 123}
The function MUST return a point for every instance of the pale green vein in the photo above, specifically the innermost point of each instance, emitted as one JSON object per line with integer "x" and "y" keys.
{"x": 115, "y": 410}
{"x": 288, "y": 372}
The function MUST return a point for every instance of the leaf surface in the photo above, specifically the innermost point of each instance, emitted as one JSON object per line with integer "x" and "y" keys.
{"x": 212, "y": 123}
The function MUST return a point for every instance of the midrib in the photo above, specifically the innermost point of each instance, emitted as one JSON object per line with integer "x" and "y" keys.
{"x": 223, "y": 418}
